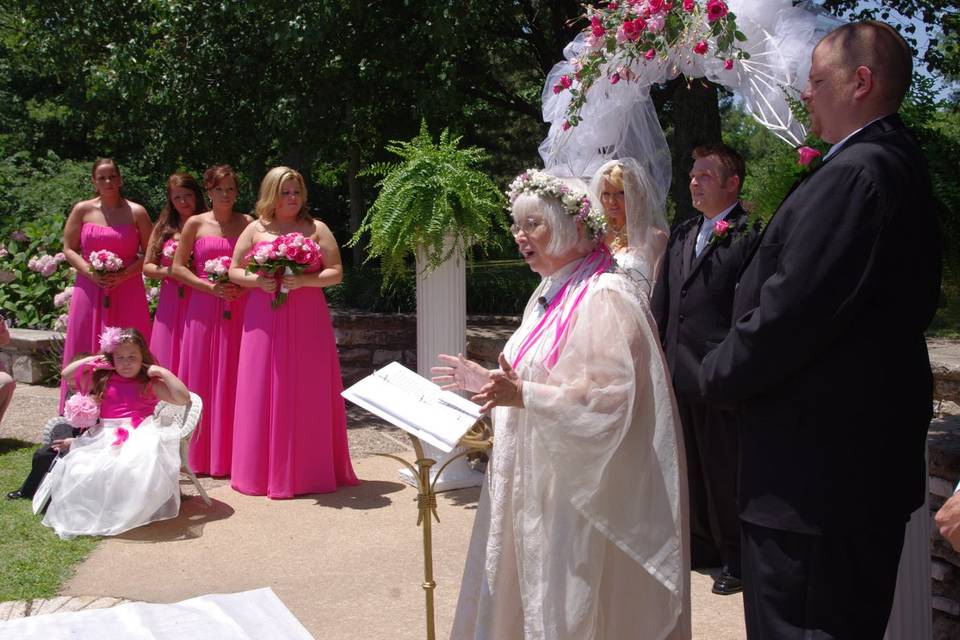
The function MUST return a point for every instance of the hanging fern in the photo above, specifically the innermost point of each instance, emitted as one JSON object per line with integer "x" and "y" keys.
{"x": 435, "y": 190}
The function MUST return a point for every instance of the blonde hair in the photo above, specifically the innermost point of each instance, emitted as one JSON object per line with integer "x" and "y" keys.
{"x": 270, "y": 193}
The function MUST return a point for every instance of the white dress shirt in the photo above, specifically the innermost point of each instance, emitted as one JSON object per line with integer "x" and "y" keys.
{"x": 706, "y": 228}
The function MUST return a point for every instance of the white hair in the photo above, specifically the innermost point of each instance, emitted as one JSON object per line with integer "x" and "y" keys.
{"x": 565, "y": 233}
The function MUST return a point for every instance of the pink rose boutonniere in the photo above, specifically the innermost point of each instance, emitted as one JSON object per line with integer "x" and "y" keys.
{"x": 722, "y": 230}
{"x": 808, "y": 159}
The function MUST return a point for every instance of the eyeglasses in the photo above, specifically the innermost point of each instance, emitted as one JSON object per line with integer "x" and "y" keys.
{"x": 528, "y": 227}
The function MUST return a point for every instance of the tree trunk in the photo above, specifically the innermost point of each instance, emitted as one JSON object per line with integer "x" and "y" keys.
{"x": 696, "y": 121}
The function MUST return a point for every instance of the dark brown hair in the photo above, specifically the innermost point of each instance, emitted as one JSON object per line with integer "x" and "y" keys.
{"x": 169, "y": 222}
{"x": 216, "y": 173}
{"x": 100, "y": 376}
{"x": 731, "y": 161}
{"x": 99, "y": 162}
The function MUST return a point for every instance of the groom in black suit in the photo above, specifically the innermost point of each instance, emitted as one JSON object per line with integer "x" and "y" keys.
{"x": 827, "y": 358}
{"x": 692, "y": 303}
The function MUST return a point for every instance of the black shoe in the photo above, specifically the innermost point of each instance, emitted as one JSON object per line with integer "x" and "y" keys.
{"x": 727, "y": 584}
{"x": 16, "y": 495}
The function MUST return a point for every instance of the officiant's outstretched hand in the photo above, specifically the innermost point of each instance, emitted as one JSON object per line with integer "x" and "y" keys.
{"x": 491, "y": 387}
{"x": 826, "y": 357}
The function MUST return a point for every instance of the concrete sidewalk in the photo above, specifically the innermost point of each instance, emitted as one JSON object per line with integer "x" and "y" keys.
{"x": 348, "y": 564}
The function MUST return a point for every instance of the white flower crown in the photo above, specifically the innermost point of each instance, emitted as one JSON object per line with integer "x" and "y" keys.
{"x": 576, "y": 202}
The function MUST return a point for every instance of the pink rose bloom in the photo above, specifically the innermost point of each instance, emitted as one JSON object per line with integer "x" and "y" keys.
{"x": 613, "y": 6}
{"x": 81, "y": 410}
{"x": 728, "y": 64}
{"x": 596, "y": 27}
{"x": 807, "y": 155}
{"x": 716, "y": 9}
{"x": 615, "y": 78}
{"x": 122, "y": 435}
{"x": 566, "y": 125}
{"x": 701, "y": 47}
{"x": 650, "y": 54}
{"x": 720, "y": 229}
{"x": 655, "y": 23}
{"x": 654, "y": 6}
{"x": 688, "y": 6}
{"x": 565, "y": 82}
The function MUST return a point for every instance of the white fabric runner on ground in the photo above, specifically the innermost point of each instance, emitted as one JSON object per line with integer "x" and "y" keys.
{"x": 248, "y": 615}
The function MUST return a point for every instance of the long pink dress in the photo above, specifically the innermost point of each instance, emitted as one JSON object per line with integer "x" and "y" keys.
{"x": 208, "y": 362}
{"x": 290, "y": 435}
{"x": 169, "y": 320}
{"x": 128, "y": 301}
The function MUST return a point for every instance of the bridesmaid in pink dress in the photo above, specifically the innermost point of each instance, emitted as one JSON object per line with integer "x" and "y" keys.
{"x": 184, "y": 198}
{"x": 110, "y": 222}
{"x": 214, "y": 317}
{"x": 290, "y": 435}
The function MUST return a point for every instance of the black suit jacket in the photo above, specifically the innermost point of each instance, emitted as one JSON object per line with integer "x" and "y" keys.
{"x": 827, "y": 358}
{"x": 693, "y": 299}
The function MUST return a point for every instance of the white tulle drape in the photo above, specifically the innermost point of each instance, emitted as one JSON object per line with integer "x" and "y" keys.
{"x": 619, "y": 120}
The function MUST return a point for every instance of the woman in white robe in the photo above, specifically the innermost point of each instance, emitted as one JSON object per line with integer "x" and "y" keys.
{"x": 580, "y": 531}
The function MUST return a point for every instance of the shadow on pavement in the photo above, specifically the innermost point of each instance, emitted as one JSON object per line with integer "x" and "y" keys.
{"x": 188, "y": 525}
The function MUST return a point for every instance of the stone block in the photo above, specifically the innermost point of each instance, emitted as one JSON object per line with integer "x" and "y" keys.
{"x": 940, "y": 570}
{"x": 13, "y": 609}
{"x": 945, "y": 627}
{"x": 382, "y": 357}
{"x": 942, "y": 488}
{"x": 947, "y": 606}
{"x": 49, "y": 605}
{"x": 355, "y": 357}
{"x": 946, "y": 408}
{"x": 28, "y": 368}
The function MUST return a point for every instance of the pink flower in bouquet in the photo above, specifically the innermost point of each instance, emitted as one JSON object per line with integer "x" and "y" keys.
{"x": 613, "y": 6}
{"x": 728, "y": 64}
{"x": 716, "y": 9}
{"x": 632, "y": 29}
{"x": 169, "y": 248}
{"x": 287, "y": 255}
{"x": 701, "y": 47}
{"x": 655, "y": 6}
{"x": 103, "y": 262}
{"x": 807, "y": 155}
{"x": 81, "y": 410}
{"x": 19, "y": 236}
{"x": 615, "y": 78}
{"x": 650, "y": 54}
{"x": 122, "y": 435}
{"x": 152, "y": 294}
{"x": 688, "y": 6}
{"x": 63, "y": 298}
{"x": 656, "y": 23}
{"x": 110, "y": 338}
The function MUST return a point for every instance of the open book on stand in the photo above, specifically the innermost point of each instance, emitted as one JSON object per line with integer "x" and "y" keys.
{"x": 416, "y": 405}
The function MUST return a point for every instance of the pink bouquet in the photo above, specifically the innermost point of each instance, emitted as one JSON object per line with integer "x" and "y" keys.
{"x": 218, "y": 270}
{"x": 287, "y": 255}
{"x": 81, "y": 410}
{"x": 104, "y": 262}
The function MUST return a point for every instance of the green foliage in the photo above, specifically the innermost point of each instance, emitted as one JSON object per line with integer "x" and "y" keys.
{"x": 434, "y": 194}
{"x": 34, "y": 563}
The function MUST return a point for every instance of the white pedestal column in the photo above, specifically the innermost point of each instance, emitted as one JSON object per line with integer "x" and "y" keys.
{"x": 911, "y": 617}
{"x": 442, "y": 328}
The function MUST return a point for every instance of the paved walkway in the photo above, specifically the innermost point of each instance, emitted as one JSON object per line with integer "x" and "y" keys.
{"x": 347, "y": 564}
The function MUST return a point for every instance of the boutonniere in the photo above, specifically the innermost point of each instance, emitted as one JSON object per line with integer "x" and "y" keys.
{"x": 721, "y": 231}
{"x": 809, "y": 159}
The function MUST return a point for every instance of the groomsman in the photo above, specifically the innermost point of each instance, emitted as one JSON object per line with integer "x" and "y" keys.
{"x": 692, "y": 303}
{"x": 827, "y": 358}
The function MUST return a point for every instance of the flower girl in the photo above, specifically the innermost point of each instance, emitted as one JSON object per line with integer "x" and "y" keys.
{"x": 123, "y": 470}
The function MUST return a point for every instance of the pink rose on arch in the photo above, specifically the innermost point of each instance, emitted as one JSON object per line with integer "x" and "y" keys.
{"x": 728, "y": 64}
{"x": 615, "y": 78}
{"x": 701, "y": 47}
{"x": 655, "y": 6}
{"x": 716, "y": 9}
{"x": 656, "y": 23}
{"x": 807, "y": 155}
{"x": 566, "y": 125}
{"x": 688, "y": 6}
{"x": 596, "y": 27}
{"x": 650, "y": 54}
{"x": 613, "y": 6}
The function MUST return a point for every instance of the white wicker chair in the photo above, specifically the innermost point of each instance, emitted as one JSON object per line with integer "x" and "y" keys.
{"x": 184, "y": 418}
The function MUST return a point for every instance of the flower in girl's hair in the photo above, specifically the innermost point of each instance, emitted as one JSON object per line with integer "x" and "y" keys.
{"x": 122, "y": 435}
{"x": 110, "y": 338}
{"x": 81, "y": 410}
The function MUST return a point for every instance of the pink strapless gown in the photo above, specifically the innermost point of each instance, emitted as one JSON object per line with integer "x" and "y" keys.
{"x": 290, "y": 435}
{"x": 128, "y": 301}
{"x": 208, "y": 362}
{"x": 169, "y": 320}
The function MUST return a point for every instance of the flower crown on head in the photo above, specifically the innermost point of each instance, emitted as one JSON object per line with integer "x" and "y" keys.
{"x": 110, "y": 338}
{"x": 576, "y": 202}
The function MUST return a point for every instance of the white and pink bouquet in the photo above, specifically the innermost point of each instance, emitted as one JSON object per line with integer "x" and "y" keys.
{"x": 81, "y": 410}
{"x": 169, "y": 248}
{"x": 218, "y": 270}
{"x": 288, "y": 254}
{"x": 103, "y": 262}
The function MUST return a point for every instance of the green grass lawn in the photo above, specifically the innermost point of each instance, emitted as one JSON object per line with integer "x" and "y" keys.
{"x": 34, "y": 562}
